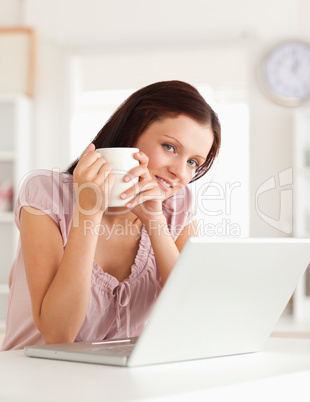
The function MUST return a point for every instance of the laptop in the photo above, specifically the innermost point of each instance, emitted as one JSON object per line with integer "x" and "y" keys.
{"x": 223, "y": 297}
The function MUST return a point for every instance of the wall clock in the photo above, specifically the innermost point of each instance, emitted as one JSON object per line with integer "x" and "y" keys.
{"x": 285, "y": 73}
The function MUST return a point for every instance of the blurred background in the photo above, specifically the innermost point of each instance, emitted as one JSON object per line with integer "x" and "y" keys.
{"x": 68, "y": 64}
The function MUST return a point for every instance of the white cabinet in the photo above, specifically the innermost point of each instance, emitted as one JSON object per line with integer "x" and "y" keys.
{"x": 301, "y": 200}
{"x": 15, "y": 162}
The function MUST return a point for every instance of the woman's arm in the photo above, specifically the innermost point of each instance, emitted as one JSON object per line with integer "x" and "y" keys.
{"x": 59, "y": 279}
{"x": 167, "y": 251}
{"x": 147, "y": 206}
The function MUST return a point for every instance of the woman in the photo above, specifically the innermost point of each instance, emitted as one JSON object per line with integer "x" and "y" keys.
{"x": 80, "y": 277}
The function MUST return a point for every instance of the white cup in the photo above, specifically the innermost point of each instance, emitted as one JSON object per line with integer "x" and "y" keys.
{"x": 122, "y": 161}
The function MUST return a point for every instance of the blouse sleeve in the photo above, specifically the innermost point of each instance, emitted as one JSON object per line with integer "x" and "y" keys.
{"x": 46, "y": 191}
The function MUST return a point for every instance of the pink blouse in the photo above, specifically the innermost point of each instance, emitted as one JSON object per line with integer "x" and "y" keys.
{"x": 116, "y": 309}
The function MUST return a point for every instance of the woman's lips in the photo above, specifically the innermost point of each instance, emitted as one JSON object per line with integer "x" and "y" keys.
{"x": 164, "y": 184}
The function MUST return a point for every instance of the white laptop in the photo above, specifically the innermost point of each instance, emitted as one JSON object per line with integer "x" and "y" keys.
{"x": 222, "y": 298}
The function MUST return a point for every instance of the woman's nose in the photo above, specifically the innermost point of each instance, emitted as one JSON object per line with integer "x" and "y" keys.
{"x": 178, "y": 169}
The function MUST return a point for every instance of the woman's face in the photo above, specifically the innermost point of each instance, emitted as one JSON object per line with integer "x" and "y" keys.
{"x": 176, "y": 147}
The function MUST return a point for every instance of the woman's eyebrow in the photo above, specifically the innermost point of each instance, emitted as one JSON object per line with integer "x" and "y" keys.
{"x": 181, "y": 145}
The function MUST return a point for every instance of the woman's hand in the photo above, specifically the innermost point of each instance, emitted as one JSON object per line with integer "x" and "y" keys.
{"x": 147, "y": 203}
{"x": 92, "y": 183}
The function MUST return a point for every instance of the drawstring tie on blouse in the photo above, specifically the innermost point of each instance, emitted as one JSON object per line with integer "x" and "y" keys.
{"x": 123, "y": 294}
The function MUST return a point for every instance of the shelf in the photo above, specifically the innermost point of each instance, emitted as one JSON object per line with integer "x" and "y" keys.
{"x": 4, "y": 289}
{"x": 15, "y": 162}
{"x": 12, "y": 97}
{"x": 2, "y": 329}
{"x": 7, "y": 156}
{"x": 301, "y": 212}
{"x": 7, "y": 217}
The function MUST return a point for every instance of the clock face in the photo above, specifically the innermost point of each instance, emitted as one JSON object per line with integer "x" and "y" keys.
{"x": 287, "y": 73}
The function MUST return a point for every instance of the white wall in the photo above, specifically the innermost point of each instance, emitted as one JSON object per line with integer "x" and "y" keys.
{"x": 222, "y": 27}
{"x": 10, "y": 14}
{"x": 164, "y": 20}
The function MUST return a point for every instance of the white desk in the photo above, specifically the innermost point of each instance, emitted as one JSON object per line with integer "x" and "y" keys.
{"x": 280, "y": 372}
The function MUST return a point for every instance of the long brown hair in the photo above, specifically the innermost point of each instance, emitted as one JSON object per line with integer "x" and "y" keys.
{"x": 154, "y": 102}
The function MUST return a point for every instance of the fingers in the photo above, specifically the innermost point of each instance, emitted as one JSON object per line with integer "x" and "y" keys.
{"x": 141, "y": 157}
{"x": 141, "y": 192}
{"x": 91, "y": 147}
{"x": 92, "y": 167}
{"x": 140, "y": 171}
{"x": 94, "y": 182}
{"x": 139, "y": 187}
{"x": 152, "y": 194}
{"x": 146, "y": 188}
{"x": 88, "y": 157}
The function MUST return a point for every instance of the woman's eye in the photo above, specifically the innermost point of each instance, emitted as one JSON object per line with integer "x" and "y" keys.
{"x": 193, "y": 163}
{"x": 169, "y": 147}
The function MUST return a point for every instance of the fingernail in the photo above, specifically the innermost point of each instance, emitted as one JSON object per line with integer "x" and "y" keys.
{"x": 123, "y": 196}
{"x": 126, "y": 179}
{"x": 129, "y": 204}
